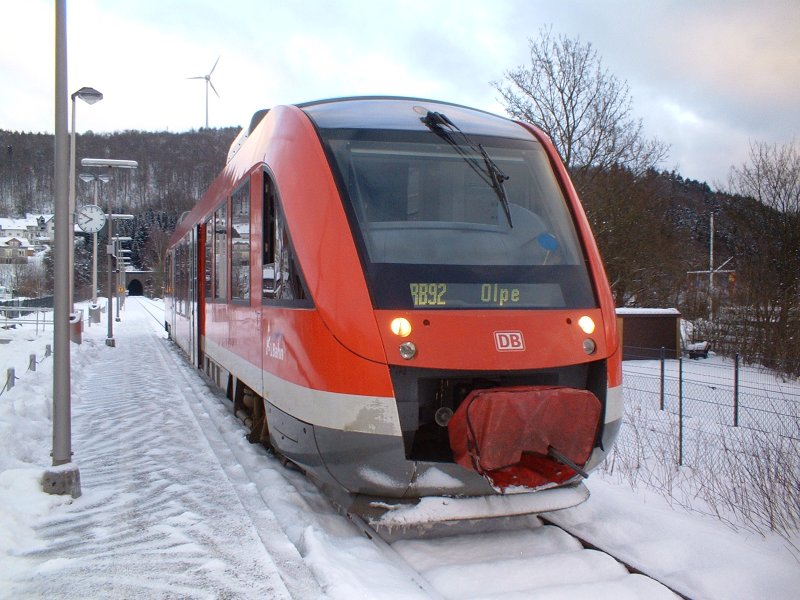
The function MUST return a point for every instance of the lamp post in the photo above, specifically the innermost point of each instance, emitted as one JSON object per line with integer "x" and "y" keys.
{"x": 64, "y": 476}
{"x": 118, "y": 255}
{"x": 90, "y": 96}
{"x": 110, "y": 163}
{"x": 97, "y": 178}
{"x": 124, "y": 261}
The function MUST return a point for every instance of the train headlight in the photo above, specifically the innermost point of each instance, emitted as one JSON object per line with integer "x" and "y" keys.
{"x": 401, "y": 327}
{"x": 589, "y": 346}
{"x": 586, "y": 324}
{"x": 408, "y": 350}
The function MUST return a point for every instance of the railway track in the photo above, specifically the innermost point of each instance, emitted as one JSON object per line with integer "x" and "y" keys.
{"x": 528, "y": 557}
{"x": 152, "y": 308}
{"x": 525, "y": 557}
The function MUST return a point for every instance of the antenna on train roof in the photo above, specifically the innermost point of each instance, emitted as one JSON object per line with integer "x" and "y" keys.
{"x": 207, "y": 79}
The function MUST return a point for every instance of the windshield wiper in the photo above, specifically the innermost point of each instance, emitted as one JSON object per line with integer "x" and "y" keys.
{"x": 498, "y": 177}
{"x": 489, "y": 172}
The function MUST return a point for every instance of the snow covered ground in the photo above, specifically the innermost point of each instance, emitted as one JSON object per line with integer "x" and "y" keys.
{"x": 177, "y": 504}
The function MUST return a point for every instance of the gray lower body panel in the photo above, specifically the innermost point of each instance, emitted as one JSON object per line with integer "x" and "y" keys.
{"x": 368, "y": 464}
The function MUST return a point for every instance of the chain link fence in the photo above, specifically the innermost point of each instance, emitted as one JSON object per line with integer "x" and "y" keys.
{"x": 706, "y": 397}
{"x": 714, "y": 435}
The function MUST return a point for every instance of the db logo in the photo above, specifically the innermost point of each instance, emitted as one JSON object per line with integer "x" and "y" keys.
{"x": 509, "y": 341}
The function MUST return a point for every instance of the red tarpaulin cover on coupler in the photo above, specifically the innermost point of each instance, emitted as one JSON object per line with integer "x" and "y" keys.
{"x": 511, "y": 435}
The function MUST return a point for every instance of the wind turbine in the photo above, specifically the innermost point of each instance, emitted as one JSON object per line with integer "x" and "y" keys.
{"x": 208, "y": 83}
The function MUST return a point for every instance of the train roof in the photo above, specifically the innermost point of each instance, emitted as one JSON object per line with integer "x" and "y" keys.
{"x": 387, "y": 112}
{"x": 393, "y": 113}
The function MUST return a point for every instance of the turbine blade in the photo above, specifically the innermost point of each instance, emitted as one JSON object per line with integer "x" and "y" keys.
{"x": 213, "y": 88}
{"x": 201, "y": 77}
{"x": 215, "y": 65}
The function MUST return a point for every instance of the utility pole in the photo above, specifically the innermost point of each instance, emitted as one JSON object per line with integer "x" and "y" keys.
{"x": 711, "y": 270}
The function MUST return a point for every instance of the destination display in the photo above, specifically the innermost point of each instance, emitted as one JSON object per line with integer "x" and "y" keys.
{"x": 433, "y": 295}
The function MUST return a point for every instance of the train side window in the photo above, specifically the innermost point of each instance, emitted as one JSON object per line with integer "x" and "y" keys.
{"x": 220, "y": 252}
{"x": 184, "y": 275}
{"x": 178, "y": 278}
{"x": 268, "y": 264}
{"x": 282, "y": 278}
{"x": 240, "y": 244}
{"x": 208, "y": 258}
{"x": 168, "y": 274}
{"x": 185, "y": 270}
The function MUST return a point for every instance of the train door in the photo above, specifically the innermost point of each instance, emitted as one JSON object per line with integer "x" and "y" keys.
{"x": 169, "y": 291}
{"x": 193, "y": 312}
{"x": 202, "y": 277}
{"x": 266, "y": 276}
{"x": 244, "y": 304}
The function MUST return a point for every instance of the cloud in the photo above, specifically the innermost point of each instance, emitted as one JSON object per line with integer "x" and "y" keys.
{"x": 704, "y": 76}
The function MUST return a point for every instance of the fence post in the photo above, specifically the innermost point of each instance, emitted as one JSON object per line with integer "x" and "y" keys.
{"x": 32, "y": 362}
{"x": 680, "y": 411}
{"x": 736, "y": 390}
{"x": 10, "y": 377}
{"x": 661, "y": 398}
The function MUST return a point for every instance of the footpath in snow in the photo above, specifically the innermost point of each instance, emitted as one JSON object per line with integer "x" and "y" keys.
{"x": 158, "y": 517}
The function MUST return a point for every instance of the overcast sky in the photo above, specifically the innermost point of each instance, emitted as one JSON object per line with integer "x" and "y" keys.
{"x": 706, "y": 77}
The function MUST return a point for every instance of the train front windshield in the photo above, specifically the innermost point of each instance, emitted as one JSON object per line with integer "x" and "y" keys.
{"x": 445, "y": 225}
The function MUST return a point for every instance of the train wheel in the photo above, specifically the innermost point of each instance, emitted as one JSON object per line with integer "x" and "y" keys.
{"x": 248, "y": 406}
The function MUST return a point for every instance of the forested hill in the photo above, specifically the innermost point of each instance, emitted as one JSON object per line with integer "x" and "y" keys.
{"x": 174, "y": 169}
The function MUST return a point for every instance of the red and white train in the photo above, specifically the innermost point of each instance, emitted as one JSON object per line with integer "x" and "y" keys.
{"x": 404, "y": 298}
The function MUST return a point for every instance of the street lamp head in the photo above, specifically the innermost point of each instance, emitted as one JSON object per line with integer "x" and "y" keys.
{"x": 87, "y": 177}
{"x": 111, "y": 163}
{"x": 88, "y": 95}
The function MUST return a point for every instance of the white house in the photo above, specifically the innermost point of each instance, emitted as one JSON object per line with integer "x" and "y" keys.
{"x": 37, "y": 229}
{"x": 14, "y": 228}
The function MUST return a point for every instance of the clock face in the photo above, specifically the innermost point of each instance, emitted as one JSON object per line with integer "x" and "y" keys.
{"x": 90, "y": 218}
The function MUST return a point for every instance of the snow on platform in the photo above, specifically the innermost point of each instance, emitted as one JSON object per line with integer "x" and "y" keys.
{"x": 158, "y": 517}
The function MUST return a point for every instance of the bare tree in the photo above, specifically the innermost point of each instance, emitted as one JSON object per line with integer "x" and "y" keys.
{"x": 644, "y": 255}
{"x": 771, "y": 176}
{"x": 155, "y": 248}
{"x": 27, "y": 279}
{"x": 771, "y": 275}
{"x": 585, "y": 110}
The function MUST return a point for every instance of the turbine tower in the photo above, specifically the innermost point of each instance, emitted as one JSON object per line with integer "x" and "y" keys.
{"x": 208, "y": 84}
